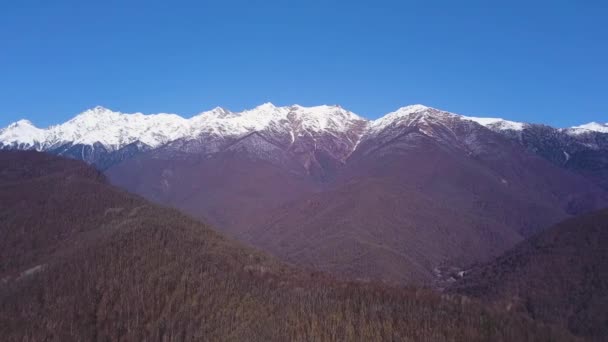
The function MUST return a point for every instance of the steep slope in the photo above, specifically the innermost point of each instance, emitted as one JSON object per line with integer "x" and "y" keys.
{"x": 104, "y": 138}
{"x": 228, "y": 189}
{"x": 582, "y": 149}
{"x": 100, "y": 136}
{"x": 246, "y": 163}
{"x": 505, "y": 166}
{"x": 87, "y": 261}
{"x": 375, "y": 230}
{"x": 559, "y": 276}
{"x": 425, "y": 190}
{"x": 113, "y": 130}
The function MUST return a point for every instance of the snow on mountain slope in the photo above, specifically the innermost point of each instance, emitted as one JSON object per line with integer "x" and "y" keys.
{"x": 115, "y": 130}
{"x": 412, "y": 125}
{"x": 402, "y": 115}
{"x": 296, "y": 118}
{"x": 223, "y": 122}
{"x": 590, "y": 127}
{"x": 98, "y": 125}
{"x": 416, "y": 113}
{"x": 497, "y": 124}
{"x": 22, "y": 134}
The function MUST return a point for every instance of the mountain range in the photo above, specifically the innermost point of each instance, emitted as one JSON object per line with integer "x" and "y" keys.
{"x": 403, "y": 199}
{"x": 112, "y": 132}
{"x": 82, "y": 260}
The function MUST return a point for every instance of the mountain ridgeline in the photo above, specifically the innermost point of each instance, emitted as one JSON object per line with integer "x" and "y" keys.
{"x": 85, "y": 261}
{"x": 402, "y": 199}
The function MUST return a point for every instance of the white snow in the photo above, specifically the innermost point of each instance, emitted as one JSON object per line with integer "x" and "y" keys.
{"x": 400, "y": 115}
{"x": 497, "y": 123}
{"x": 590, "y": 127}
{"x": 415, "y": 112}
{"x": 115, "y": 129}
{"x": 292, "y": 119}
{"x": 322, "y": 118}
{"x": 111, "y": 129}
{"x": 22, "y": 132}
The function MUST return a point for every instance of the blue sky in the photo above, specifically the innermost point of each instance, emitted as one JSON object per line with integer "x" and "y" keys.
{"x": 536, "y": 61}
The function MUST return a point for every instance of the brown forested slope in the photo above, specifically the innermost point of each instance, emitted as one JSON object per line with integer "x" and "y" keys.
{"x": 559, "y": 276}
{"x": 84, "y": 261}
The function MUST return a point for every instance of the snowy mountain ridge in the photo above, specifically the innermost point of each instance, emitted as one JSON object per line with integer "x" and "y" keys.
{"x": 418, "y": 112}
{"x": 115, "y": 130}
{"x": 590, "y": 127}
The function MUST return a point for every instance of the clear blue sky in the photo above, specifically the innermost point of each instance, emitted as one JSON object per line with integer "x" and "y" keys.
{"x": 537, "y": 61}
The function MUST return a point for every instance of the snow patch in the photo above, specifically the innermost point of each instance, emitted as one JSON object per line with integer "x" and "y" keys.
{"x": 497, "y": 123}
{"x": 420, "y": 112}
{"x": 402, "y": 115}
{"x": 590, "y": 127}
{"x": 31, "y": 271}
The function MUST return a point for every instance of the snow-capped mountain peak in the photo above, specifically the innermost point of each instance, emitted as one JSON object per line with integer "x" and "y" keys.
{"x": 425, "y": 116}
{"x": 266, "y": 106}
{"x": 411, "y": 115}
{"x": 322, "y": 118}
{"x": 269, "y": 116}
{"x": 98, "y": 110}
{"x": 115, "y": 130}
{"x": 590, "y": 127}
{"x": 21, "y": 123}
{"x": 219, "y": 112}
{"x": 396, "y": 117}
{"x": 22, "y": 134}
{"x": 95, "y": 114}
{"x": 416, "y": 108}
{"x": 497, "y": 124}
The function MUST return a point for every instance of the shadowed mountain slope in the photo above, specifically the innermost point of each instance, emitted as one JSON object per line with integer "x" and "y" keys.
{"x": 424, "y": 191}
{"x": 83, "y": 260}
{"x": 558, "y": 276}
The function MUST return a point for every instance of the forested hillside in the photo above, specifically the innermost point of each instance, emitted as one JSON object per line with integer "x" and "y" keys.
{"x": 83, "y": 261}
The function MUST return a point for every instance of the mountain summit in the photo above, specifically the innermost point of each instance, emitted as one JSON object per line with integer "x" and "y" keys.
{"x": 114, "y": 130}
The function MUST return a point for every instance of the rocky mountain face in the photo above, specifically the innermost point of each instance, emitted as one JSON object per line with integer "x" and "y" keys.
{"x": 580, "y": 150}
{"x": 395, "y": 199}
